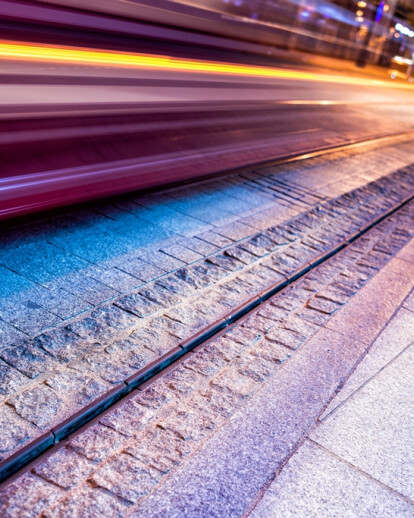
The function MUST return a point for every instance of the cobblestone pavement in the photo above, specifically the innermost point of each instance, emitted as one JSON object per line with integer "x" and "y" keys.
{"x": 118, "y": 466}
{"x": 49, "y": 377}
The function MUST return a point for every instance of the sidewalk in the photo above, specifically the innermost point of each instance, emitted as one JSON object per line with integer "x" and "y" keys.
{"x": 359, "y": 460}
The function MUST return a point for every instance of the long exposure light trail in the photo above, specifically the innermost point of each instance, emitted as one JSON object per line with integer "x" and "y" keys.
{"x": 88, "y": 57}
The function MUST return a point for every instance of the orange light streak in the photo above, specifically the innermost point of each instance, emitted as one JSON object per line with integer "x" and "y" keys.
{"x": 78, "y": 56}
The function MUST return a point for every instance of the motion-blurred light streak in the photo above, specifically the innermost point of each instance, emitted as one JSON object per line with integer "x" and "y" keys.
{"x": 47, "y": 53}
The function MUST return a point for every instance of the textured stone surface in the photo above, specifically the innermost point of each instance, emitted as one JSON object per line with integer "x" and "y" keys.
{"x": 96, "y": 442}
{"x": 373, "y": 429}
{"x": 160, "y": 449}
{"x": 16, "y": 501}
{"x": 214, "y": 481}
{"x": 392, "y": 341}
{"x": 315, "y": 483}
{"x": 28, "y": 359}
{"x": 64, "y": 468}
{"x": 125, "y": 477}
{"x": 107, "y": 344}
{"x": 14, "y": 431}
{"x": 10, "y": 379}
{"x": 128, "y": 418}
{"x": 38, "y": 405}
{"x": 409, "y": 302}
{"x": 131, "y": 345}
{"x": 393, "y": 283}
{"x": 87, "y": 502}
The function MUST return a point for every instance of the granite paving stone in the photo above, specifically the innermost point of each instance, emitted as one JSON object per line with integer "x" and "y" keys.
{"x": 12, "y": 282}
{"x": 60, "y": 302}
{"x": 15, "y": 431}
{"x": 86, "y": 288}
{"x": 188, "y": 424}
{"x": 234, "y": 231}
{"x": 182, "y": 381}
{"x": 29, "y": 359}
{"x": 176, "y": 285}
{"x": 114, "y": 318}
{"x": 42, "y": 263}
{"x": 61, "y": 343}
{"x": 315, "y": 483}
{"x": 160, "y": 296}
{"x": 161, "y": 260}
{"x": 11, "y": 379}
{"x": 125, "y": 477}
{"x": 76, "y": 388}
{"x": 105, "y": 366}
{"x": 197, "y": 245}
{"x": 16, "y": 501}
{"x": 240, "y": 254}
{"x": 215, "y": 239}
{"x": 137, "y": 305}
{"x": 393, "y": 282}
{"x": 114, "y": 278}
{"x": 373, "y": 429}
{"x": 173, "y": 220}
{"x": 160, "y": 449}
{"x": 398, "y": 335}
{"x": 65, "y": 468}
{"x": 87, "y": 328}
{"x": 138, "y": 268}
{"x": 409, "y": 302}
{"x": 182, "y": 253}
{"x": 88, "y": 501}
{"x": 9, "y": 334}
{"x": 39, "y": 405}
{"x": 26, "y": 315}
{"x": 128, "y": 418}
{"x": 233, "y": 381}
{"x": 96, "y": 442}
{"x": 226, "y": 262}
{"x": 133, "y": 352}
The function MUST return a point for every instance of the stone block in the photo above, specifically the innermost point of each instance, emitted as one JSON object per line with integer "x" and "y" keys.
{"x": 27, "y": 496}
{"x": 39, "y": 405}
{"x": 125, "y": 477}
{"x": 96, "y": 443}
{"x": 127, "y": 418}
{"x": 65, "y": 468}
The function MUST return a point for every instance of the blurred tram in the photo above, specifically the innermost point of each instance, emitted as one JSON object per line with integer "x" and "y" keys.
{"x": 102, "y": 97}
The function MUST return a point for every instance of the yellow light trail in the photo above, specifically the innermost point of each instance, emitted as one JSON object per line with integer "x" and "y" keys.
{"x": 80, "y": 56}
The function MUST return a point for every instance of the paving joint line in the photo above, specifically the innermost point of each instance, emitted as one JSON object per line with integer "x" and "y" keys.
{"x": 358, "y": 469}
{"x": 365, "y": 383}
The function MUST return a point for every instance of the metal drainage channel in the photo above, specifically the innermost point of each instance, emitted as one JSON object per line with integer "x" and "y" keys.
{"x": 24, "y": 458}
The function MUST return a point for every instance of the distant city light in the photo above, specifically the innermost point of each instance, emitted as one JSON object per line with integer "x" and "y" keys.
{"x": 304, "y": 15}
{"x": 404, "y": 30}
{"x": 360, "y": 13}
{"x": 362, "y": 4}
{"x": 359, "y": 19}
